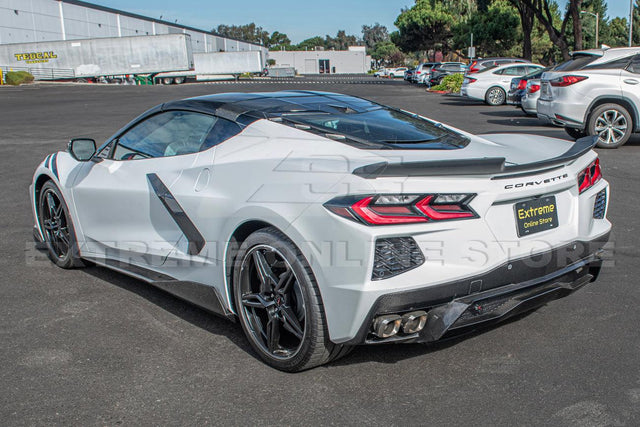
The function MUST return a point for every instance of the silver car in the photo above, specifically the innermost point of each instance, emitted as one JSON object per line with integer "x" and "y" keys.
{"x": 529, "y": 99}
{"x": 596, "y": 92}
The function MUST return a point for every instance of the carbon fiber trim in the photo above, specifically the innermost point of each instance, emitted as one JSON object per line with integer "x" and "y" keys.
{"x": 196, "y": 240}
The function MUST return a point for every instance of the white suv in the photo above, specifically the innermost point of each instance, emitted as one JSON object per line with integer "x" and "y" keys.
{"x": 596, "y": 92}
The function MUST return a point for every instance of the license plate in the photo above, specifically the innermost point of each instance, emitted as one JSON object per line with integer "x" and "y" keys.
{"x": 536, "y": 215}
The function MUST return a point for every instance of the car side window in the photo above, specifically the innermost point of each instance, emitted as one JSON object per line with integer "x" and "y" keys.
{"x": 222, "y": 130}
{"x": 634, "y": 65}
{"x": 166, "y": 134}
{"x": 515, "y": 71}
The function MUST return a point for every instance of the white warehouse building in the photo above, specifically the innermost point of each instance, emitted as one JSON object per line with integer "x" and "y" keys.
{"x": 352, "y": 61}
{"x": 26, "y": 21}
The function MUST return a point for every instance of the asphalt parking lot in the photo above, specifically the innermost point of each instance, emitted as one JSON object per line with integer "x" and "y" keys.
{"x": 94, "y": 347}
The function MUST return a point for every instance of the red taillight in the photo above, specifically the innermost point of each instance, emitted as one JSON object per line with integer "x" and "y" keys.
{"x": 533, "y": 88}
{"x": 522, "y": 84}
{"x": 588, "y": 177}
{"x": 418, "y": 72}
{"x": 402, "y": 208}
{"x": 472, "y": 67}
{"x": 567, "y": 80}
{"x": 471, "y": 80}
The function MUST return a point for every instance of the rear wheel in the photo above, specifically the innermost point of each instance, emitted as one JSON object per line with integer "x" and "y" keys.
{"x": 167, "y": 80}
{"x": 495, "y": 96}
{"x": 57, "y": 228}
{"x": 575, "y": 133}
{"x": 178, "y": 80}
{"x": 279, "y": 304}
{"x": 613, "y": 125}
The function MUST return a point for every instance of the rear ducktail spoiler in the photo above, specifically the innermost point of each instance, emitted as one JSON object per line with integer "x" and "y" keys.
{"x": 476, "y": 166}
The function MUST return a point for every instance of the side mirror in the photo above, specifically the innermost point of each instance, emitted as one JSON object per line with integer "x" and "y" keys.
{"x": 82, "y": 149}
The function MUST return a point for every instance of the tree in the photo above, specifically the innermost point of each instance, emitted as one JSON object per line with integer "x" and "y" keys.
{"x": 278, "y": 40}
{"x": 618, "y": 33}
{"x": 527, "y": 21}
{"x": 374, "y": 34}
{"x": 495, "y": 31}
{"x": 425, "y": 25}
{"x": 311, "y": 43}
{"x": 341, "y": 41}
{"x": 248, "y": 32}
{"x": 544, "y": 11}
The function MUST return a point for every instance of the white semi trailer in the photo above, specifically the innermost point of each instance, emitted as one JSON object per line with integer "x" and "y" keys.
{"x": 217, "y": 66}
{"x": 100, "y": 57}
{"x": 163, "y": 59}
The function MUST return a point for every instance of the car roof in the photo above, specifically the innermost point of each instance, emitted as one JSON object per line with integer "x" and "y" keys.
{"x": 245, "y": 108}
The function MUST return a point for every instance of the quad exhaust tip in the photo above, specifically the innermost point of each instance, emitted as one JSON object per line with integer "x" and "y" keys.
{"x": 389, "y": 325}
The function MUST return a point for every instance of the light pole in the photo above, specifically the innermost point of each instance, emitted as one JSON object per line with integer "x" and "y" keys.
{"x": 597, "y": 16}
{"x": 630, "y": 22}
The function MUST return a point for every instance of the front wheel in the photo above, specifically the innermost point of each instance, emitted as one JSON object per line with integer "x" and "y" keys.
{"x": 57, "y": 228}
{"x": 495, "y": 96}
{"x": 613, "y": 125}
{"x": 279, "y": 304}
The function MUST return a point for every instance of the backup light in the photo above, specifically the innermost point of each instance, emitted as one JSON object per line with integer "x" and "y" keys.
{"x": 389, "y": 209}
{"x": 589, "y": 176}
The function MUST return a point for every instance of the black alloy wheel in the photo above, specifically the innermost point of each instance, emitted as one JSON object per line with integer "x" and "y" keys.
{"x": 279, "y": 305}
{"x": 57, "y": 228}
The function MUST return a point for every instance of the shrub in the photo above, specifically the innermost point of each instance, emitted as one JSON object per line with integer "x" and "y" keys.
{"x": 450, "y": 83}
{"x": 17, "y": 77}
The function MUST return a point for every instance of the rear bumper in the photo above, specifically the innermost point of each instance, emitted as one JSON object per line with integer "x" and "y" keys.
{"x": 561, "y": 113}
{"x": 514, "y": 97}
{"x": 513, "y": 288}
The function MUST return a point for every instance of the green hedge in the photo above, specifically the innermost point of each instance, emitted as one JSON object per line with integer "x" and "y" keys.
{"x": 450, "y": 83}
{"x": 17, "y": 77}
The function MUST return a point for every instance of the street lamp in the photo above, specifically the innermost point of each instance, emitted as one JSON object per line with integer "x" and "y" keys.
{"x": 597, "y": 16}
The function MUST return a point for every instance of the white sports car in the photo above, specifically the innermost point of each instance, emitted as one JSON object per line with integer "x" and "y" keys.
{"x": 322, "y": 221}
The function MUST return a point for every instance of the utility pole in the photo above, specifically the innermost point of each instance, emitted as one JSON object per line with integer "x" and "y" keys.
{"x": 597, "y": 16}
{"x": 630, "y": 22}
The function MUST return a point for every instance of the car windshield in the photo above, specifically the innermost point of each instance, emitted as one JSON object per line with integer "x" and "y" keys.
{"x": 382, "y": 128}
{"x": 578, "y": 62}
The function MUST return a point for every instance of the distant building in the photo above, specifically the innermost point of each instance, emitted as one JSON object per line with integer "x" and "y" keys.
{"x": 25, "y": 21}
{"x": 352, "y": 61}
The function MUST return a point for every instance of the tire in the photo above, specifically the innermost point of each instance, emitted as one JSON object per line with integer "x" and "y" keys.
{"x": 58, "y": 231}
{"x": 612, "y": 123}
{"x": 495, "y": 96}
{"x": 167, "y": 80}
{"x": 575, "y": 133}
{"x": 179, "y": 80}
{"x": 281, "y": 310}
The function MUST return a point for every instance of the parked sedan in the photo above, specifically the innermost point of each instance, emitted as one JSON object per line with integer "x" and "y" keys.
{"x": 519, "y": 85}
{"x": 478, "y": 65}
{"x": 396, "y": 72}
{"x": 529, "y": 100}
{"x": 281, "y": 210}
{"x": 491, "y": 84}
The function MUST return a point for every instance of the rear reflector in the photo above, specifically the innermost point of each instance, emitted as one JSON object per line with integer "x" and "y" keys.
{"x": 395, "y": 255}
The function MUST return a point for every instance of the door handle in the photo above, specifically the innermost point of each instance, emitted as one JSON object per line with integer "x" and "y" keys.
{"x": 631, "y": 81}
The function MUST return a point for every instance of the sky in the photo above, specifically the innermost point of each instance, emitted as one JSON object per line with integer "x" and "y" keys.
{"x": 299, "y": 19}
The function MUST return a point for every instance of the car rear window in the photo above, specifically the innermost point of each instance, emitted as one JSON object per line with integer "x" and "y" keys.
{"x": 578, "y": 62}
{"x": 380, "y": 128}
